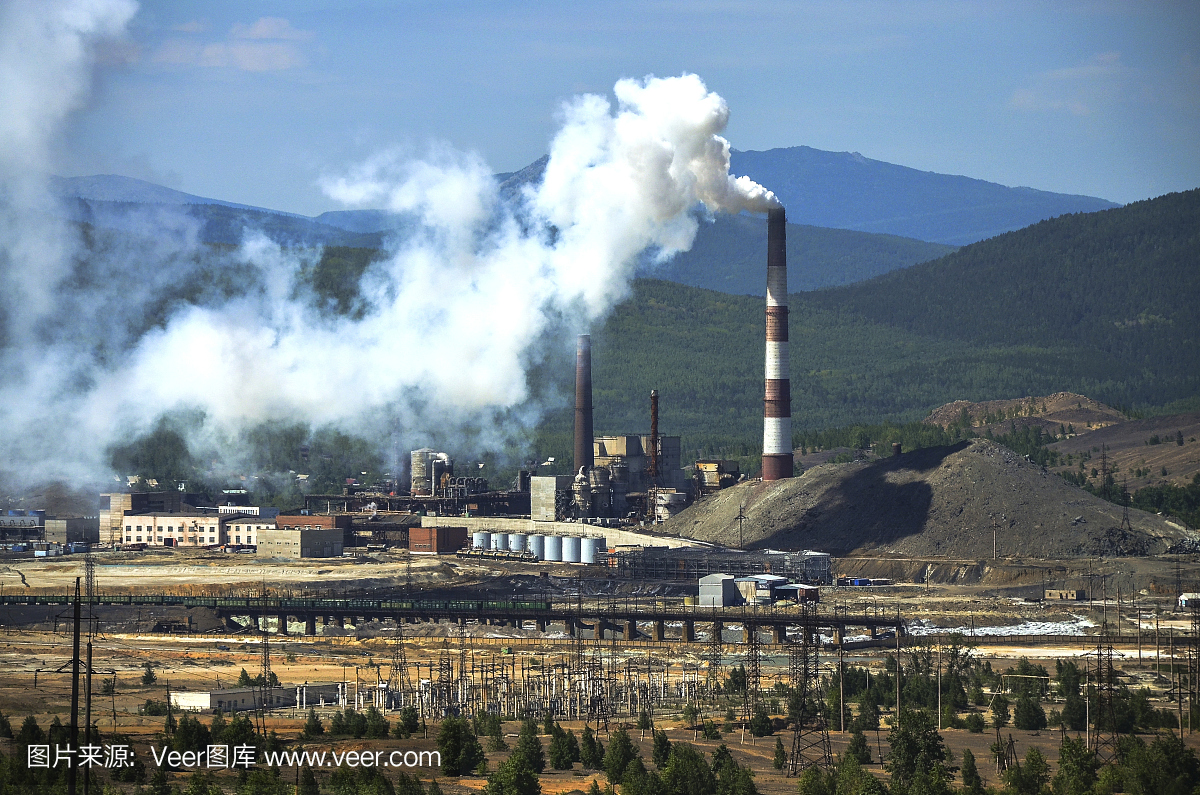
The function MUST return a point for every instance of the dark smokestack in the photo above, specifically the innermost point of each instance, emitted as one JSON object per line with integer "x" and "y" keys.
{"x": 777, "y": 404}
{"x": 652, "y": 469}
{"x": 583, "y": 404}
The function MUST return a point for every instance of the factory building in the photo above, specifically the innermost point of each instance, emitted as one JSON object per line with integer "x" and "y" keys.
{"x": 301, "y": 541}
{"x": 719, "y": 590}
{"x": 175, "y": 528}
{"x": 244, "y": 531}
{"x": 436, "y": 540}
{"x": 84, "y": 530}
{"x": 114, "y": 508}
{"x": 23, "y": 525}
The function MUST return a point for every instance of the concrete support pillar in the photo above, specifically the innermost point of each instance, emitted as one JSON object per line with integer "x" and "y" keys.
{"x": 541, "y": 625}
{"x": 659, "y": 631}
{"x": 341, "y": 620}
{"x": 718, "y": 628}
{"x": 778, "y": 633}
{"x": 838, "y": 631}
{"x": 514, "y": 623}
{"x": 747, "y": 630}
{"x": 282, "y": 619}
{"x": 310, "y": 624}
{"x": 630, "y": 630}
{"x": 688, "y": 632}
{"x": 570, "y": 627}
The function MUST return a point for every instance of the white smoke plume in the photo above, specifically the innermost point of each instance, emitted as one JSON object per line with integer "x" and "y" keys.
{"x": 450, "y": 317}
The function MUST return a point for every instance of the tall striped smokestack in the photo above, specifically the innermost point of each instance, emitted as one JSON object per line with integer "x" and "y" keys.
{"x": 777, "y": 405}
{"x": 583, "y": 403}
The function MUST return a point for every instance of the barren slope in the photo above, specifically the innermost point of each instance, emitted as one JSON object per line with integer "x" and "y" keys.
{"x": 936, "y": 501}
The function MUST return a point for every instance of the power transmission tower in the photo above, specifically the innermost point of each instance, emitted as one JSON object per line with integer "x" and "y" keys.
{"x": 264, "y": 689}
{"x": 741, "y": 517}
{"x": 712, "y": 656}
{"x": 398, "y": 678}
{"x": 810, "y": 737}
{"x": 445, "y": 677}
{"x": 1103, "y": 737}
{"x": 753, "y": 668}
{"x": 1125, "y": 523}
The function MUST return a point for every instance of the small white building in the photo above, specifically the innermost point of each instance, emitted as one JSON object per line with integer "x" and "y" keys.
{"x": 1187, "y": 600}
{"x": 718, "y": 590}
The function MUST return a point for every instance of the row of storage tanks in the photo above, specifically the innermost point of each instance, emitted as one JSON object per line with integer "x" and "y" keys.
{"x": 554, "y": 549}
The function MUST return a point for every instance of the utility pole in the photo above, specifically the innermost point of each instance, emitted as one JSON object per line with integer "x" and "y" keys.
{"x": 71, "y": 771}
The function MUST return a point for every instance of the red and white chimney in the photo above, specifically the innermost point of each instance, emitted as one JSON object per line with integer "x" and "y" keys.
{"x": 777, "y": 406}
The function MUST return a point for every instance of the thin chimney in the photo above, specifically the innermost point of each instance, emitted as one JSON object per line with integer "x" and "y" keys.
{"x": 584, "y": 454}
{"x": 777, "y": 406}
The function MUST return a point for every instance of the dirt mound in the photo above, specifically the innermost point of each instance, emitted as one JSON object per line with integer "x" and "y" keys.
{"x": 1051, "y": 413}
{"x": 941, "y": 501}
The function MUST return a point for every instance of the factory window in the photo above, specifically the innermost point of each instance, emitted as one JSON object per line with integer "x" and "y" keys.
{"x": 128, "y": 538}
{"x": 211, "y": 540}
{"x": 139, "y": 538}
{"x": 238, "y": 540}
{"x": 139, "y": 529}
{"x": 128, "y": 529}
{"x": 170, "y": 529}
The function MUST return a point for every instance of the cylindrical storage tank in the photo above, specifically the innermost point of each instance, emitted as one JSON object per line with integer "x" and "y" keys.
{"x": 554, "y": 549}
{"x": 572, "y": 547}
{"x": 500, "y": 542}
{"x": 591, "y": 546}
{"x": 518, "y": 542}
{"x": 421, "y": 468}
{"x": 481, "y": 540}
{"x": 537, "y": 545}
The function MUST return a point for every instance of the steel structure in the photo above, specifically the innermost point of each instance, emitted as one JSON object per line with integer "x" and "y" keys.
{"x": 810, "y": 734}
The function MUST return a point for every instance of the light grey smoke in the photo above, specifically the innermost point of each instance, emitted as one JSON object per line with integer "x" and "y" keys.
{"x": 453, "y": 310}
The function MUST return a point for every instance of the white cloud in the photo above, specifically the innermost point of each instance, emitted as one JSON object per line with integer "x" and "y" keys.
{"x": 1080, "y": 90}
{"x": 267, "y": 45}
{"x": 269, "y": 28}
{"x": 192, "y": 26}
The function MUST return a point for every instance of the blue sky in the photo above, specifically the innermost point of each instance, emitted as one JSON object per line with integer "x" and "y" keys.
{"x": 255, "y": 102}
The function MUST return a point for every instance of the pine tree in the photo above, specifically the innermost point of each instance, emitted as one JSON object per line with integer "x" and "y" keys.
{"x": 971, "y": 781}
{"x": 312, "y": 725}
{"x": 858, "y": 747}
{"x": 780, "y": 754}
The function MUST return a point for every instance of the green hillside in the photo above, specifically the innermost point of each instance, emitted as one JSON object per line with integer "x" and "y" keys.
{"x": 1104, "y": 304}
{"x": 730, "y": 255}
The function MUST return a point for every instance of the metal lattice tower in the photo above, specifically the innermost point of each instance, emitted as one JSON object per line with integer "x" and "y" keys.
{"x": 1125, "y": 523}
{"x": 810, "y": 738}
{"x": 753, "y": 668}
{"x": 712, "y": 656}
{"x": 89, "y": 586}
{"x": 398, "y": 678}
{"x": 445, "y": 678}
{"x": 1103, "y": 736}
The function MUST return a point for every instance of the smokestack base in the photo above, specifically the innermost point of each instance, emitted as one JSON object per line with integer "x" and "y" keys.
{"x": 777, "y": 467}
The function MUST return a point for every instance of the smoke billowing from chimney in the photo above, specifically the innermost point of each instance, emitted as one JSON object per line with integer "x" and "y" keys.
{"x": 449, "y": 319}
{"x": 777, "y": 405}
{"x": 584, "y": 452}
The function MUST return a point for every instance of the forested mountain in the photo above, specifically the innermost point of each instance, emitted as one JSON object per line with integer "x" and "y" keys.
{"x": 730, "y": 255}
{"x": 1104, "y": 304}
{"x": 845, "y": 190}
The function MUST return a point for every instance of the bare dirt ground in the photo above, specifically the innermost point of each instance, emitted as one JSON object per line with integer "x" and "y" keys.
{"x": 125, "y": 643}
{"x": 198, "y": 664}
